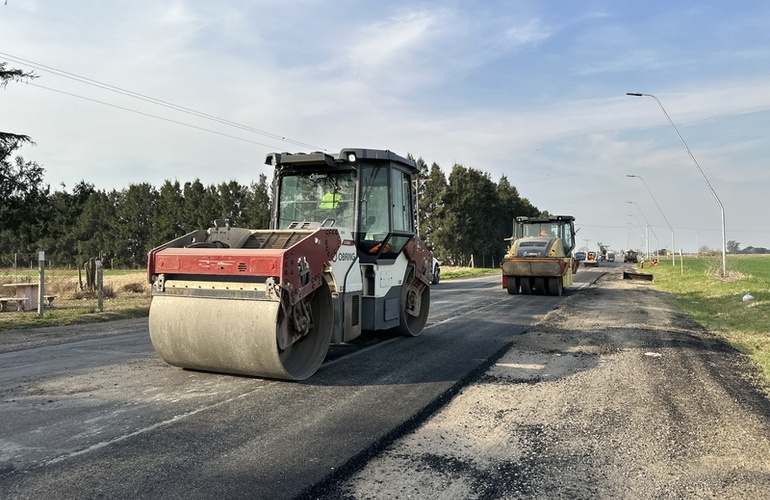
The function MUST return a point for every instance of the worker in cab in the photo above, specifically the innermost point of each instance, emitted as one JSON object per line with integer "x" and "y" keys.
{"x": 338, "y": 210}
{"x": 330, "y": 201}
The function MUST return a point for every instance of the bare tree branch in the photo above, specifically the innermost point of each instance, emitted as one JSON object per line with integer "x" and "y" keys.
{"x": 13, "y": 74}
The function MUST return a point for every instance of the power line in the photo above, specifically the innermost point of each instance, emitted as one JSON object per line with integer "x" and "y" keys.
{"x": 154, "y": 116}
{"x": 152, "y": 100}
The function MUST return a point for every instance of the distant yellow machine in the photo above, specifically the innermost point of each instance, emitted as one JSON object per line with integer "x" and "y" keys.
{"x": 540, "y": 259}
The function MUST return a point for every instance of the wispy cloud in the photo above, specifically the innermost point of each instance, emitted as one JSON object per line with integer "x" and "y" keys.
{"x": 530, "y": 33}
{"x": 390, "y": 43}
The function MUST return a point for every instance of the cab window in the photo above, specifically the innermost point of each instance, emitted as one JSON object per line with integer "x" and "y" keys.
{"x": 318, "y": 197}
{"x": 402, "y": 202}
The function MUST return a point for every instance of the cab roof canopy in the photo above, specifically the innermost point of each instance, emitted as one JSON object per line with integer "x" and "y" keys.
{"x": 540, "y": 220}
{"x": 346, "y": 158}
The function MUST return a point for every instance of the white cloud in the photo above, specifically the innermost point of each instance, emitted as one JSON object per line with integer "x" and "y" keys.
{"x": 389, "y": 43}
{"x": 531, "y": 32}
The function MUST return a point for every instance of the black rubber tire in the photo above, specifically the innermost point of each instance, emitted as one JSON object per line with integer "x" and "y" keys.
{"x": 526, "y": 285}
{"x": 514, "y": 285}
{"x": 555, "y": 286}
{"x": 409, "y": 325}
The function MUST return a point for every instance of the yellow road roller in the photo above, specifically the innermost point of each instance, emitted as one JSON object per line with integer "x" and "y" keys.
{"x": 540, "y": 259}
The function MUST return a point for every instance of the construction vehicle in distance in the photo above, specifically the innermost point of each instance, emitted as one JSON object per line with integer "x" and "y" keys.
{"x": 436, "y": 271}
{"x": 341, "y": 257}
{"x": 591, "y": 260}
{"x": 631, "y": 256}
{"x": 540, "y": 258}
{"x": 602, "y": 254}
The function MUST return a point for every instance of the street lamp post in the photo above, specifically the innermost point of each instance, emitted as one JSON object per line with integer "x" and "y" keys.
{"x": 673, "y": 241}
{"x": 645, "y": 235}
{"x": 648, "y": 228}
{"x": 631, "y": 228}
{"x": 695, "y": 162}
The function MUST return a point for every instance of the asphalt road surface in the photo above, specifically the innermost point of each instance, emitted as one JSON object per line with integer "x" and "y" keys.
{"x": 91, "y": 411}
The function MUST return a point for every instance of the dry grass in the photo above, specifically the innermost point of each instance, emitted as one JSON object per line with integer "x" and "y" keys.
{"x": 125, "y": 294}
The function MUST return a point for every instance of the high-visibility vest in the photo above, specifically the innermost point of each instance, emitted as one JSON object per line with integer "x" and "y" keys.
{"x": 330, "y": 201}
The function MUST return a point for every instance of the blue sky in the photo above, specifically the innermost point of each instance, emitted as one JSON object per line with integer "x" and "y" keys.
{"x": 532, "y": 90}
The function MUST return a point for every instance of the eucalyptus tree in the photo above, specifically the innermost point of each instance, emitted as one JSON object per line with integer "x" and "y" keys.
{"x": 471, "y": 209}
{"x": 230, "y": 202}
{"x": 58, "y": 218}
{"x": 432, "y": 208}
{"x": 511, "y": 205}
{"x": 168, "y": 219}
{"x": 94, "y": 228}
{"x": 197, "y": 207}
{"x": 134, "y": 218}
{"x": 256, "y": 210}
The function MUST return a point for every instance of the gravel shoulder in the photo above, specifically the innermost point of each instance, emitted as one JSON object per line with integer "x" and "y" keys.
{"x": 614, "y": 394}
{"x": 16, "y": 340}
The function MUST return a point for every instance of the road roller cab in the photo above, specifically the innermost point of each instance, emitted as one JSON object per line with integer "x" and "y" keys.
{"x": 341, "y": 257}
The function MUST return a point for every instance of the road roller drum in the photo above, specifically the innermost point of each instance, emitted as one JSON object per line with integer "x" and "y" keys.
{"x": 239, "y": 336}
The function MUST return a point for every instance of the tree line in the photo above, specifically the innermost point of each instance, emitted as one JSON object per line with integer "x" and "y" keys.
{"x": 464, "y": 217}
{"x": 733, "y": 246}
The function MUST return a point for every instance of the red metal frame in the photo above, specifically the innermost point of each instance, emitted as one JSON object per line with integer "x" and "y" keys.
{"x": 311, "y": 253}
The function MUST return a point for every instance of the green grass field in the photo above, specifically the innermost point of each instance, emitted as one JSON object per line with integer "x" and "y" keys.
{"x": 717, "y": 302}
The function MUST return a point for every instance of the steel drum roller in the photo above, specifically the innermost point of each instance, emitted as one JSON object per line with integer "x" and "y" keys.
{"x": 239, "y": 336}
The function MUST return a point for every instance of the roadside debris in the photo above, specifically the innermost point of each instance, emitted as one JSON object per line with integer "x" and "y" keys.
{"x": 637, "y": 276}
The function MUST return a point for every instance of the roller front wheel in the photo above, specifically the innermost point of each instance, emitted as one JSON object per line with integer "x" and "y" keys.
{"x": 415, "y": 304}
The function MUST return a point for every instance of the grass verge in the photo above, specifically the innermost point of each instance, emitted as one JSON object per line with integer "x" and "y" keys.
{"x": 736, "y": 307}
{"x": 464, "y": 272}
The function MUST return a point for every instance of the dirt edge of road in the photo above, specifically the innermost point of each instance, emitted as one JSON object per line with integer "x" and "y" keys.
{"x": 614, "y": 393}
{"x": 16, "y": 340}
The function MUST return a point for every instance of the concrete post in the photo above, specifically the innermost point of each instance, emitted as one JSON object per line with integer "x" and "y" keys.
{"x": 100, "y": 284}
{"x": 41, "y": 285}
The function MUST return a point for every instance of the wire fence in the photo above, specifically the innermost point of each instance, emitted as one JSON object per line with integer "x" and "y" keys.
{"x": 75, "y": 291}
